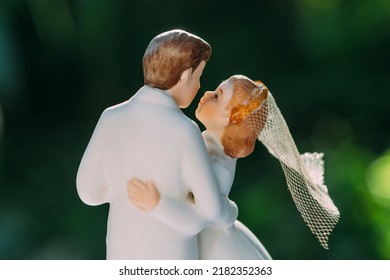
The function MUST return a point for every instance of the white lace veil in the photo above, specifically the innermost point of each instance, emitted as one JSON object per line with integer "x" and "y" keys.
{"x": 304, "y": 173}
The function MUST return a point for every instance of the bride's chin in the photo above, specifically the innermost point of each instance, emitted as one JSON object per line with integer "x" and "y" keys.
{"x": 198, "y": 115}
{"x": 198, "y": 111}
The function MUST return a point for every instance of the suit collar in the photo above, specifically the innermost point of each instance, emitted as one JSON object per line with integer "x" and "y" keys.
{"x": 156, "y": 96}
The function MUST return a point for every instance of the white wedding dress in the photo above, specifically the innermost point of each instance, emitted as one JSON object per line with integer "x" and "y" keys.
{"x": 237, "y": 242}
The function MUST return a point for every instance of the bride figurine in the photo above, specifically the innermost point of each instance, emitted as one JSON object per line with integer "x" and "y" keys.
{"x": 235, "y": 115}
{"x": 229, "y": 135}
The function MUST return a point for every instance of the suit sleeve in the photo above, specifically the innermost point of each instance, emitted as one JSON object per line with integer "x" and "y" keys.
{"x": 91, "y": 185}
{"x": 179, "y": 215}
{"x": 198, "y": 174}
{"x": 210, "y": 204}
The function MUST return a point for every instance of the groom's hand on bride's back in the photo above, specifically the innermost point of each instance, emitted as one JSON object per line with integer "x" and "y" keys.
{"x": 143, "y": 194}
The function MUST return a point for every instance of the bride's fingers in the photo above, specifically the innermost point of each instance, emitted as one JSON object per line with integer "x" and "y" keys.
{"x": 136, "y": 186}
{"x": 151, "y": 186}
{"x": 136, "y": 182}
{"x": 132, "y": 188}
{"x": 135, "y": 192}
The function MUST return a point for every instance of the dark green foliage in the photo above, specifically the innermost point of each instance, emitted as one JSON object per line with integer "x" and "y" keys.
{"x": 326, "y": 63}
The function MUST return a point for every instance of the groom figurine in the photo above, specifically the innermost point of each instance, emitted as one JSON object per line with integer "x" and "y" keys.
{"x": 146, "y": 137}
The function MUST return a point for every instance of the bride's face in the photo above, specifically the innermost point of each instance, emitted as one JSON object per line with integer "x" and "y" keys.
{"x": 212, "y": 109}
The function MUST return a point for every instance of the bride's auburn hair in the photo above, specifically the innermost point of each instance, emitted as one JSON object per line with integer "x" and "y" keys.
{"x": 247, "y": 116}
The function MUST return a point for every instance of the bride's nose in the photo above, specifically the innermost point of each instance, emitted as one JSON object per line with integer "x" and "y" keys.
{"x": 209, "y": 94}
{"x": 204, "y": 97}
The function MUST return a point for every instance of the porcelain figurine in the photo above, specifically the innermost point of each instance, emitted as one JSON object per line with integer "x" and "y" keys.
{"x": 147, "y": 137}
{"x": 231, "y": 133}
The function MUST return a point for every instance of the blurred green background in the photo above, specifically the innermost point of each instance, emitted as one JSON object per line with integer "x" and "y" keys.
{"x": 325, "y": 61}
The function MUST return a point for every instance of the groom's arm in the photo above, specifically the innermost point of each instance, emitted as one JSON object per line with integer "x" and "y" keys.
{"x": 188, "y": 216}
{"x": 177, "y": 214}
{"x": 198, "y": 174}
{"x": 90, "y": 182}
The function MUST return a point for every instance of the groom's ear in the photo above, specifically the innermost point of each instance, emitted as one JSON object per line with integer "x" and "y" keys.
{"x": 185, "y": 76}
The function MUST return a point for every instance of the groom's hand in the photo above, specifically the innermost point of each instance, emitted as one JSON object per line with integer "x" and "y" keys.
{"x": 143, "y": 194}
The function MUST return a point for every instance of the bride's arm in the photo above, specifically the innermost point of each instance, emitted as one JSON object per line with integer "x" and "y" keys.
{"x": 180, "y": 215}
{"x": 177, "y": 214}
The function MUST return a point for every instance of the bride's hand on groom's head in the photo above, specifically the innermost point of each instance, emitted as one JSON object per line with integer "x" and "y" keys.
{"x": 143, "y": 194}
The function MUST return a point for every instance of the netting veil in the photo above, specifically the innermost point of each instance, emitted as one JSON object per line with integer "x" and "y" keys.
{"x": 304, "y": 173}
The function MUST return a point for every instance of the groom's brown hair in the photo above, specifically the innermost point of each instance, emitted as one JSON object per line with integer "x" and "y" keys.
{"x": 169, "y": 54}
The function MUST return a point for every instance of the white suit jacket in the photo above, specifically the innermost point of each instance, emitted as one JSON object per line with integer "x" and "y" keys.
{"x": 149, "y": 137}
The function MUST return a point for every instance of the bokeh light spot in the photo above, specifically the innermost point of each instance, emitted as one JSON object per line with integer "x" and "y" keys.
{"x": 378, "y": 179}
